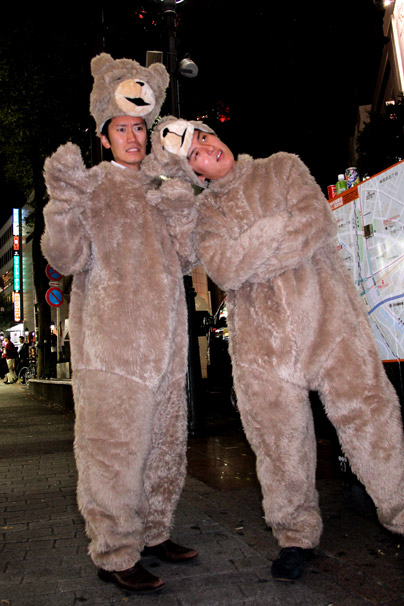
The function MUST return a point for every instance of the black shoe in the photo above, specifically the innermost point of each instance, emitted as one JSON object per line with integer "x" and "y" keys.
{"x": 289, "y": 564}
{"x": 136, "y": 578}
{"x": 170, "y": 552}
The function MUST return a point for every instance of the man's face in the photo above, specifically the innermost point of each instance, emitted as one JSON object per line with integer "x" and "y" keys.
{"x": 209, "y": 157}
{"x": 127, "y": 140}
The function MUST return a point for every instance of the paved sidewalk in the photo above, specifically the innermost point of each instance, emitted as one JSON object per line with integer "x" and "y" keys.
{"x": 43, "y": 559}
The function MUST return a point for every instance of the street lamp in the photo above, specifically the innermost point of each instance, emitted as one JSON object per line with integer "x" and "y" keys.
{"x": 186, "y": 67}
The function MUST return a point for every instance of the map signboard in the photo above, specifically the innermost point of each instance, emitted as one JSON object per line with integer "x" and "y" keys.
{"x": 370, "y": 220}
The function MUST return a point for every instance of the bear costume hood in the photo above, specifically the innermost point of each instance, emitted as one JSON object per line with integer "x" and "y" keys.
{"x": 170, "y": 142}
{"x": 122, "y": 87}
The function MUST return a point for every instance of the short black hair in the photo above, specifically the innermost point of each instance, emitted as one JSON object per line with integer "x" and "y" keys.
{"x": 104, "y": 130}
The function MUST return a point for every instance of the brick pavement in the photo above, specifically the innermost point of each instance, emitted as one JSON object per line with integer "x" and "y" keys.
{"x": 43, "y": 559}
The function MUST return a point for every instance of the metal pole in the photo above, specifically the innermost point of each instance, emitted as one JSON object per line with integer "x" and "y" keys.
{"x": 171, "y": 20}
{"x": 194, "y": 374}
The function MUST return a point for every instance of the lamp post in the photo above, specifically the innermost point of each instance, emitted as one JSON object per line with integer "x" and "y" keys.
{"x": 194, "y": 375}
{"x": 171, "y": 22}
{"x": 186, "y": 67}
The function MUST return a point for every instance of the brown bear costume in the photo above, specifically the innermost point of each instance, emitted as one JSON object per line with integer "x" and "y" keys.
{"x": 128, "y": 329}
{"x": 265, "y": 234}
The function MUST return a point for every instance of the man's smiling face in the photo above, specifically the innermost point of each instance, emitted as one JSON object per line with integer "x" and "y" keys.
{"x": 127, "y": 139}
{"x": 210, "y": 157}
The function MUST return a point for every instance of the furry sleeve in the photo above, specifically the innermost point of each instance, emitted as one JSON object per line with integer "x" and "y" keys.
{"x": 175, "y": 199}
{"x": 310, "y": 223}
{"x": 293, "y": 222}
{"x": 230, "y": 261}
{"x": 65, "y": 242}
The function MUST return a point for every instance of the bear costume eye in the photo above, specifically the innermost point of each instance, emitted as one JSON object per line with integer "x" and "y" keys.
{"x": 114, "y": 79}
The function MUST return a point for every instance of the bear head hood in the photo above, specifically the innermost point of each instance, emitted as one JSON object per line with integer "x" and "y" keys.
{"x": 122, "y": 87}
{"x": 170, "y": 143}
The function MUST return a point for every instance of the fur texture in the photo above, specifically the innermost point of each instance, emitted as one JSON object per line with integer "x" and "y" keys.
{"x": 123, "y": 87}
{"x": 175, "y": 199}
{"x": 128, "y": 335}
{"x": 266, "y": 235}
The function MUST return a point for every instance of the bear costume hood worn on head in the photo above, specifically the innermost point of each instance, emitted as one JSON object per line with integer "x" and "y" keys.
{"x": 171, "y": 140}
{"x": 122, "y": 87}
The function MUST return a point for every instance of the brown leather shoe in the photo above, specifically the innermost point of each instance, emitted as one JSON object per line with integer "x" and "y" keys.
{"x": 136, "y": 578}
{"x": 170, "y": 552}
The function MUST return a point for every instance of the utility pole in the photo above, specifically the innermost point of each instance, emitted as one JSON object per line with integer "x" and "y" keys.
{"x": 171, "y": 23}
{"x": 194, "y": 375}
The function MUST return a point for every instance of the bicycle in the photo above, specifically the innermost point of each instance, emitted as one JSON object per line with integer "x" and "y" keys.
{"x": 26, "y": 373}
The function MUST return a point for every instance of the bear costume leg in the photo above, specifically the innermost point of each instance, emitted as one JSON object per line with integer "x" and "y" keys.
{"x": 278, "y": 423}
{"x": 116, "y": 443}
{"x": 166, "y": 466}
{"x": 363, "y": 406}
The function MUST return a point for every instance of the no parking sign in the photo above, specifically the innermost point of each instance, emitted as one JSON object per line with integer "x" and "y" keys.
{"x": 53, "y": 274}
{"x": 54, "y": 296}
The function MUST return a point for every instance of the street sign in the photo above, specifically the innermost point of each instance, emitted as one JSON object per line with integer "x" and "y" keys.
{"x": 17, "y": 307}
{"x": 54, "y": 296}
{"x": 53, "y": 274}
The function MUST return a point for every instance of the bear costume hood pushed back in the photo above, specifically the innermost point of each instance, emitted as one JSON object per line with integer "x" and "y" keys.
{"x": 170, "y": 144}
{"x": 122, "y": 87}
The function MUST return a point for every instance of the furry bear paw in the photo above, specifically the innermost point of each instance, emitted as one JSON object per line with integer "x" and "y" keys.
{"x": 65, "y": 171}
{"x": 173, "y": 194}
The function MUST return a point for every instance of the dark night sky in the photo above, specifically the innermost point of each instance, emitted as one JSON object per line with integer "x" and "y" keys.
{"x": 292, "y": 73}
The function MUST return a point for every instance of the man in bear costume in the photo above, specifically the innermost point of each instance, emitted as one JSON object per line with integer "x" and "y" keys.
{"x": 130, "y": 399}
{"x": 265, "y": 234}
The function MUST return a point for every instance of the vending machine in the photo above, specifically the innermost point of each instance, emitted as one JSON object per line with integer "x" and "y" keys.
{"x": 370, "y": 218}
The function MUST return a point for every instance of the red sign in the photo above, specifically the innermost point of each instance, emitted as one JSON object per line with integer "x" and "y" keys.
{"x": 54, "y": 296}
{"x": 53, "y": 274}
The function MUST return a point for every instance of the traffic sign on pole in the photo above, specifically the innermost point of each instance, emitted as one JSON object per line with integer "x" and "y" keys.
{"x": 54, "y": 296}
{"x": 53, "y": 274}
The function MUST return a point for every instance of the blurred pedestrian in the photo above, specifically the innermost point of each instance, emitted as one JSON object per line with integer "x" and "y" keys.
{"x": 10, "y": 354}
{"x": 23, "y": 355}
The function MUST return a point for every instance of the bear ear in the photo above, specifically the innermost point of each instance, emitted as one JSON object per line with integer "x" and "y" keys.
{"x": 161, "y": 73}
{"x": 99, "y": 62}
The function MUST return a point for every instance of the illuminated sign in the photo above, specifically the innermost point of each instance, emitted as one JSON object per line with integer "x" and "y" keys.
{"x": 17, "y": 296}
{"x": 16, "y": 221}
{"x": 17, "y": 273}
{"x": 17, "y": 307}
